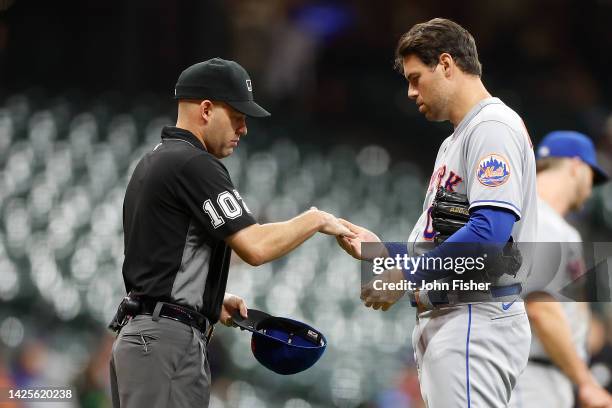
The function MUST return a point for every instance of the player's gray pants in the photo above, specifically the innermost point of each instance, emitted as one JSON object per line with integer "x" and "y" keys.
{"x": 471, "y": 355}
{"x": 159, "y": 364}
{"x": 542, "y": 386}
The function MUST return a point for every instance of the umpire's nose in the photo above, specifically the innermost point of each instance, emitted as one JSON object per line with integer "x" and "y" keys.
{"x": 242, "y": 128}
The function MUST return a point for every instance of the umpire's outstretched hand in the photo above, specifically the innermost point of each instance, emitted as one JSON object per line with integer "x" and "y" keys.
{"x": 352, "y": 244}
{"x": 333, "y": 225}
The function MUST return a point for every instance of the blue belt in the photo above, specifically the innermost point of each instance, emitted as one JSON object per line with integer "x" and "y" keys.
{"x": 509, "y": 290}
{"x": 440, "y": 297}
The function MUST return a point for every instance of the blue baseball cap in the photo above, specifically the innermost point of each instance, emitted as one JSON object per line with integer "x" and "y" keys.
{"x": 568, "y": 143}
{"x": 282, "y": 345}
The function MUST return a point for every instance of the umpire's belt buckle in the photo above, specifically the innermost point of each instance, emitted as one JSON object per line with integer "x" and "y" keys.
{"x": 209, "y": 333}
{"x": 179, "y": 313}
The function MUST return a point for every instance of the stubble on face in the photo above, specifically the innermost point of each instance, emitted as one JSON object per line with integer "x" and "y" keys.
{"x": 439, "y": 103}
{"x": 426, "y": 88}
{"x": 225, "y": 132}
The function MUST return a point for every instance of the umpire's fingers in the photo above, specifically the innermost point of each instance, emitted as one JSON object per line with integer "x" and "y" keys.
{"x": 342, "y": 242}
{"x": 244, "y": 310}
{"x": 349, "y": 225}
{"x": 227, "y": 321}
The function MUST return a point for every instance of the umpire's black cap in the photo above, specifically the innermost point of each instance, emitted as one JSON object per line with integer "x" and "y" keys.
{"x": 220, "y": 80}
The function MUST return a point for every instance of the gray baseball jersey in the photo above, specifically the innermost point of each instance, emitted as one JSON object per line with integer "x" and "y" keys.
{"x": 472, "y": 355}
{"x": 489, "y": 158}
{"x": 553, "y": 227}
{"x": 544, "y": 385}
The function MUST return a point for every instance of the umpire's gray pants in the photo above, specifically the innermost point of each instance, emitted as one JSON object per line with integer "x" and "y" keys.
{"x": 159, "y": 363}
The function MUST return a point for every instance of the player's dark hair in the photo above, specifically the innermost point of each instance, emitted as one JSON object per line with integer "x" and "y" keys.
{"x": 548, "y": 163}
{"x": 431, "y": 39}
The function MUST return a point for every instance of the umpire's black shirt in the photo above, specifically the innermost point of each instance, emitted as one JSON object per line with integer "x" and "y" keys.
{"x": 179, "y": 206}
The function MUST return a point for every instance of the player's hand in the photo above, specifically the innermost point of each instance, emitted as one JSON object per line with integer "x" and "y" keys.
{"x": 592, "y": 395}
{"x": 231, "y": 304}
{"x": 383, "y": 299}
{"x": 332, "y": 226}
{"x": 352, "y": 245}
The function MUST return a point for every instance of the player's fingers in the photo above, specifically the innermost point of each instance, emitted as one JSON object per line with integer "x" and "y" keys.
{"x": 367, "y": 304}
{"x": 372, "y": 298}
{"x": 342, "y": 243}
{"x": 365, "y": 292}
{"x": 356, "y": 249}
{"x": 346, "y": 242}
{"x": 344, "y": 231}
{"x": 349, "y": 249}
{"x": 380, "y": 306}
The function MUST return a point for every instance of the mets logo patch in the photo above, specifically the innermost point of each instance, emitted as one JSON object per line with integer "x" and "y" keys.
{"x": 493, "y": 170}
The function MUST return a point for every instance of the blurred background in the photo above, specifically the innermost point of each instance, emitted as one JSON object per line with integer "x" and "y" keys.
{"x": 85, "y": 88}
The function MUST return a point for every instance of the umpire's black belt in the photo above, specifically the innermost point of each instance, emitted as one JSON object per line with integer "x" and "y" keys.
{"x": 175, "y": 312}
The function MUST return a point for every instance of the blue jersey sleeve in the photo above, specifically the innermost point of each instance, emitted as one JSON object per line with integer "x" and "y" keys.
{"x": 486, "y": 225}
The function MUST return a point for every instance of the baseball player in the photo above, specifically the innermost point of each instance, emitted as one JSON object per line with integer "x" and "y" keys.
{"x": 468, "y": 353}
{"x": 566, "y": 170}
{"x": 182, "y": 218}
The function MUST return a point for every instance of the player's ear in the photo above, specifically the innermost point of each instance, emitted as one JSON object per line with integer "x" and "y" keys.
{"x": 585, "y": 171}
{"x": 575, "y": 166}
{"x": 446, "y": 60}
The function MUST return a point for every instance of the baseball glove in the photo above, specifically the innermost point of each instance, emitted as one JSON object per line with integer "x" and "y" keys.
{"x": 449, "y": 212}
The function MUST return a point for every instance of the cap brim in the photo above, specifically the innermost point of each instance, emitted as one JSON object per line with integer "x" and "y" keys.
{"x": 250, "y": 323}
{"x": 249, "y": 108}
{"x": 599, "y": 176}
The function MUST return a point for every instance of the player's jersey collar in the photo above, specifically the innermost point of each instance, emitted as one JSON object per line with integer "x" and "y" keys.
{"x": 474, "y": 111}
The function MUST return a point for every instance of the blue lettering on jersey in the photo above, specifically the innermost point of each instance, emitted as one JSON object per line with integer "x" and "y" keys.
{"x": 452, "y": 181}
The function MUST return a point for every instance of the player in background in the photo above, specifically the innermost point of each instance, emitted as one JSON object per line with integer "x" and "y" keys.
{"x": 566, "y": 171}
{"x": 469, "y": 353}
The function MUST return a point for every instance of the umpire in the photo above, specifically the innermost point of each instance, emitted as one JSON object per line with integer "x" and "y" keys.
{"x": 182, "y": 217}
